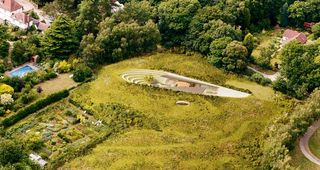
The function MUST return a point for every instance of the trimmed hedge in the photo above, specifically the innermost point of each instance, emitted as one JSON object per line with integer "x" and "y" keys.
{"x": 38, "y": 105}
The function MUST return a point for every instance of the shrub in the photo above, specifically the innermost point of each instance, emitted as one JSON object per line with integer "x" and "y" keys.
{"x": 63, "y": 67}
{"x": 2, "y": 111}
{"x": 81, "y": 73}
{"x": 6, "y": 89}
{"x": 6, "y": 99}
{"x": 258, "y": 78}
{"x": 34, "y": 107}
{"x": 50, "y": 75}
{"x": 27, "y": 98}
{"x": 16, "y": 82}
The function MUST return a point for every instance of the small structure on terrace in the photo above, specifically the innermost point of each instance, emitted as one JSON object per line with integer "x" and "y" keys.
{"x": 170, "y": 81}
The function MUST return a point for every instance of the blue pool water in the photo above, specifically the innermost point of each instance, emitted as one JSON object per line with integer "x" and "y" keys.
{"x": 22, "y": 71}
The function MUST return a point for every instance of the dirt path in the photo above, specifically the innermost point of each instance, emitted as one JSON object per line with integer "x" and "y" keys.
{"x": 304, "y": 143}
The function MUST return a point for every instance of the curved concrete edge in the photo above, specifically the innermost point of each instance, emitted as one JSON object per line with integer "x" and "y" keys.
{"x": 304, "y": 143}
{"x": 221, "y": 91}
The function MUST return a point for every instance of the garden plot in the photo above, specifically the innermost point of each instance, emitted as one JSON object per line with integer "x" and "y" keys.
{"x": 57, "y": 127}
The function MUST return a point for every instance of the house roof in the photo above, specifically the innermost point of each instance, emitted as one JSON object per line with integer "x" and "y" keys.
{"x": 22, "y": 17}
{"x": 290, "y": 35}
{"x": 10, "y": 5}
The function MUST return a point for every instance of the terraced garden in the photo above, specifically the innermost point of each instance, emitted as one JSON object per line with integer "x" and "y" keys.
{"x": 57, "y": 128}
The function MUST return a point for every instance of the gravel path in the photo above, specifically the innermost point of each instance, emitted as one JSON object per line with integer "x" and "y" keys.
{"x": 304, "y": 143}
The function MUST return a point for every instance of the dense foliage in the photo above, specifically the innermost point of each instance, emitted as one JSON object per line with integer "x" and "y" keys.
{"x": 60, "y": 40}
{"x": 283, "y": 132}
{"x": 299, "y": 69}
{"x": 121, "y": 37}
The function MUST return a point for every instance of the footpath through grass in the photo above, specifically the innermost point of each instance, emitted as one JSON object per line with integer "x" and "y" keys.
{"x": 211, "y": 133}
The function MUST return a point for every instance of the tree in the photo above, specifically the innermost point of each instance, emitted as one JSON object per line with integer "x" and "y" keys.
{"x": 203, "y": 28}
{"x": 139, "y": 11}
{"x": 316, "y": 30}
{"x": 248, "y": 42}
{"x": 91, "y": 13}
{"x": 81, "y": 73}
{"x": 299, "y": 69}
{"x": 4, "y": 45}
{"x": 214, "y": 29}
{"x": 217, "y": 48}
{"x": 235, "y": 57}
{"x": 10, "y": 152}
{"x": 284, "y": 16}
{"x": 174, "y": 18}
{"x": 60, "y": 40}
{"x": 116, "y": 42}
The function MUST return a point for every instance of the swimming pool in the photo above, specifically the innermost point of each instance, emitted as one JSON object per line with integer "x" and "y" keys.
{"x": 22, "y": 71}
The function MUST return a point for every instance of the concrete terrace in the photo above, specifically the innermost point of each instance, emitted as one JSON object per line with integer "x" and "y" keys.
{"x": 176, "y": 82}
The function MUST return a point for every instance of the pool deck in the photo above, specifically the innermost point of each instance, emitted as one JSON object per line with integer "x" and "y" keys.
{"x": 32, "y": 65}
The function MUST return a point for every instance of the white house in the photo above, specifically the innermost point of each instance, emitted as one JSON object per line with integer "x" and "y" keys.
{"x": 13, "y": 13}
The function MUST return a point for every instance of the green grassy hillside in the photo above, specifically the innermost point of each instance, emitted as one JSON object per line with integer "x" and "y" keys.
{"x": 211, "y": 133}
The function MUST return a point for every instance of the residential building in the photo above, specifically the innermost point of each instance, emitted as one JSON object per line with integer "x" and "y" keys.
{"x": 290, "y": 35}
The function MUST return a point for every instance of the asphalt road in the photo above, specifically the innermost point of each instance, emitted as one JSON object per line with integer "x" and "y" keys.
{"x": 304, "y": 143}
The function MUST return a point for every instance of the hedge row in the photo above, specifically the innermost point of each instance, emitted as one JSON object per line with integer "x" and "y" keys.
{"x": 38, "y": 105}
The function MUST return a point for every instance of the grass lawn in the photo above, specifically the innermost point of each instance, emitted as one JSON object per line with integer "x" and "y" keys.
{"x": 314, "y": 143}
{"x": 300, "y": 161}
{"x": 63, "y": 81}
{"x": 211, "y": 133}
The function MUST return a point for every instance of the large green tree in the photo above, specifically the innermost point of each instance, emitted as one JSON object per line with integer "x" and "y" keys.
{"x": 60, "y": 40}
{"x": 4, "y": 45}
{"x": 91, "y": 13}
{"x": 300, "y": 71}
{"x": 235, "y": 57}
{"x": 174, "y": 18}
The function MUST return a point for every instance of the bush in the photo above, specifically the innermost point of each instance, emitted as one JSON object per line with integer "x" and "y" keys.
{"x": 34, "y": 107}
{"x": 6, "y": 89}
{"x": 258, "y": 78}
{"x": 63, "y": 67}
{"x": 2, "y": 111}
{"x": 16, "y": 82}
{"x": 27, "y": 98}
{"x": 81, "y": 73}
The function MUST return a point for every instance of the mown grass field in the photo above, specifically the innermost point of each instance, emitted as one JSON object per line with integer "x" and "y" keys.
{"x": 314, "y": 143}
{"x": 300, "y": 161}
{"x": 211, "y": 133}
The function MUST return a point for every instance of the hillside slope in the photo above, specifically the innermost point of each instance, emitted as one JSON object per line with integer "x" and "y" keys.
{"x": 211, "y": 133}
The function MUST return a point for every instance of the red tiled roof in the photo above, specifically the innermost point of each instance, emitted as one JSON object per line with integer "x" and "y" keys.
{"x": 291, "y": 35}
{"x": 10, "y": 5}
{"x": 22, "y": 17}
